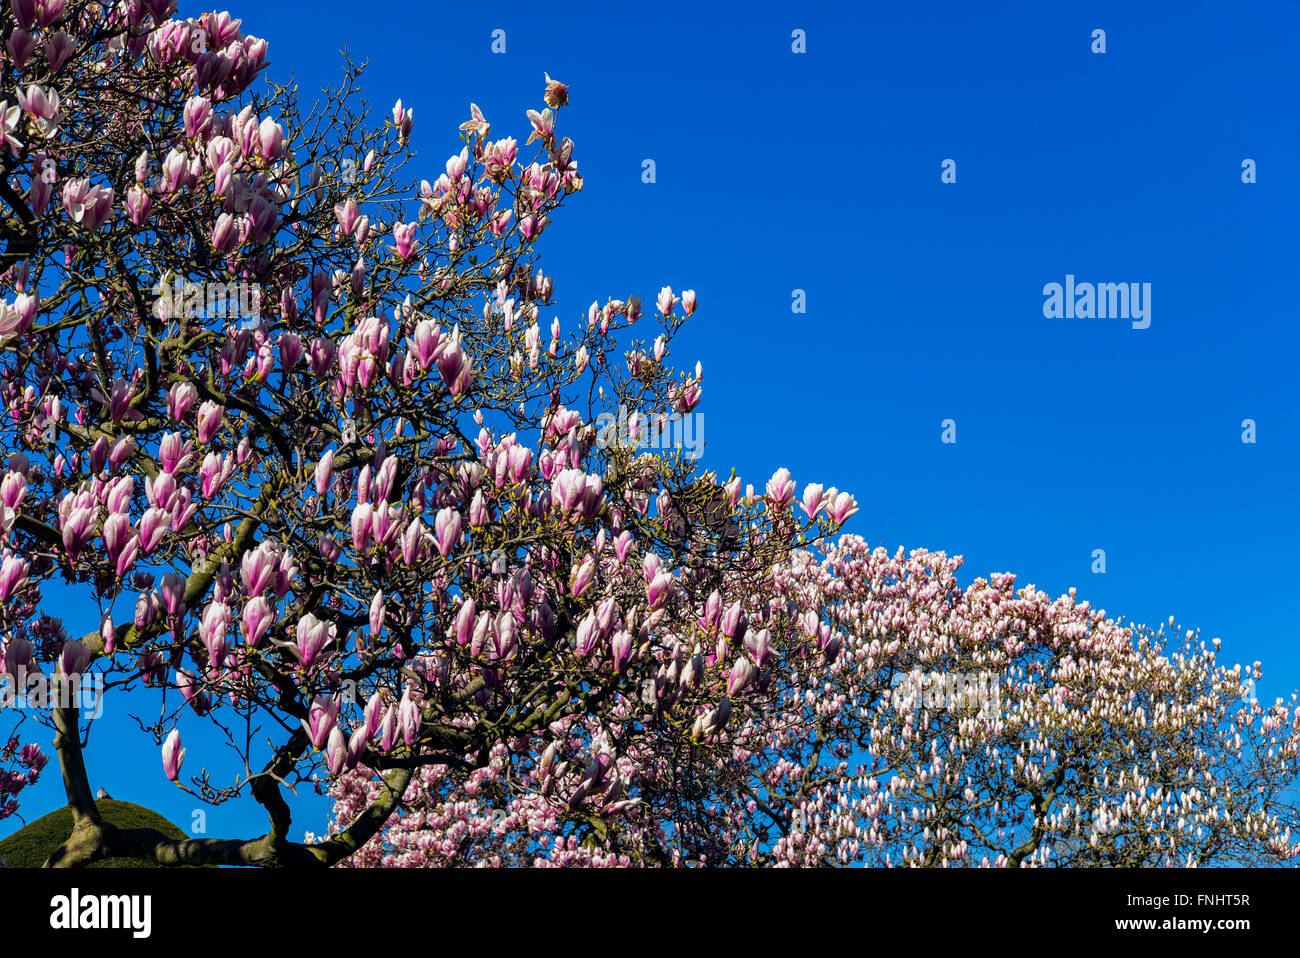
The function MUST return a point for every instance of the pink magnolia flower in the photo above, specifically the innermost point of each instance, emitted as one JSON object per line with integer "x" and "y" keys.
{"x": 42, "y": 107}
{"x": 465, "y": 623}
{"x": 780, "y": 489}
{"x": 758, "y": 644}
{"x": 840, "y": 505}
{"x": 153, "y": 528}
{"x": 667, "y": 301}
{"x": 121, "y": 396}
{"x": 107, "y": 635}
{"x": 324, "y": 472}
{"x": 336, "y": 751}
{"x": 412, "y": 542}
{"x": 453, "y": 364}
{"x": 21, "y": 46}
{"x": 312, "y": 637}
{"x": 447, "y": 527}
{"x": 78, "y": 527}
{"x": 13, "y": 576}
{"x": 588, "y": 635}
{"x": 12, "y": 322}
{"x": 180, "y": 398}
{"x": 214, "y": 472}
{"x": 212, "y": 631}
{"x": 161, "y": 490}
{"x": 621, "y": 649}
{"x": 388, "y": 730}
{"x": 582, "y": 577}
{"x": 210, "y": 417}
{"x": 271, "y": 138}
{"x": 405, "y": 244}
{"x": 543, "y": 125}
{"x": 138, "y": 204}
{"x": 499, "y": 157}
{"x": 385, "y": 524}
{"x": 403, "y": 119}
{"x": 732, "y": 621}
{"x": 197, "y": 116}
{"x": 120, "y": 451}
{"x": 290, "y": 347}
{"x": 174, "y": 454}
{"x": 258, "y": 568}
{"x": 328, "y": 547}
{"x": 263, "y": 216}
{"x": 18, "y": 655}
{"x": 13, "y": 487}
{"x": 456, "y": 165}
{"x": 742, "y": 673}
{"x": 285, "y": 571}
{"x": 362, "y": 522}
{"x": 532, "y": 224}
{"x": 520, "y": 462}
{"x": 622, "y": 543}
{"x": 320, "y": 721}
{"x": 91, "y": 206}
{"x": 478, "y": 510}
{"x": 659, "y": 589}
{"x": 121, "y": 543}
{"x": 224, "y": 234}
{"x": 377, "y": 613}
{"x": 813, "y": 500}
{"x": 382, "y": 487}
{"x": 409, "y": 719}
{"x": 712, "y": 611}
{"x": 173, "y": 755}
{"x": 347, "y": 215}
{"x": 320, "y": 355}
{"x": 48, "y": 12}
{"x": 257, "y": 618}
{"x": 426, "y": 340}
{"x": 356, "y": 748}
{"x": 74, "y": 657}
{"x": 173, "y": 593}
{"x": 373, "y": 714}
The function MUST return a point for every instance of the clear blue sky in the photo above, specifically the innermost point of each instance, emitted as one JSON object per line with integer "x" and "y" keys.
{"x": 778, "y": 171}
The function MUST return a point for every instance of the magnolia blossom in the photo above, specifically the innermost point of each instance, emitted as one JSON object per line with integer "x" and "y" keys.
{"x": 173, "y": 755}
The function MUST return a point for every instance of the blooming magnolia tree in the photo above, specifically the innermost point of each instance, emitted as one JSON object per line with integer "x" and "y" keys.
{"x": 1094, "y": 744}
{"x": 293, "y": 427}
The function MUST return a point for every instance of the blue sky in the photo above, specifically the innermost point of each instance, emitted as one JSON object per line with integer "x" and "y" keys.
{"x": 820, "y": 171}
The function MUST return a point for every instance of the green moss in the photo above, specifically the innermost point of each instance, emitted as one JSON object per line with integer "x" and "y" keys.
{"x": 33, "y": 843}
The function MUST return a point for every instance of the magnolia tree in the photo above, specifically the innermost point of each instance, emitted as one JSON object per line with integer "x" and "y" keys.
{"x": 1076, "y": 741}
{"x": 294, "y": 429}
{"x": 292, "y": 426}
